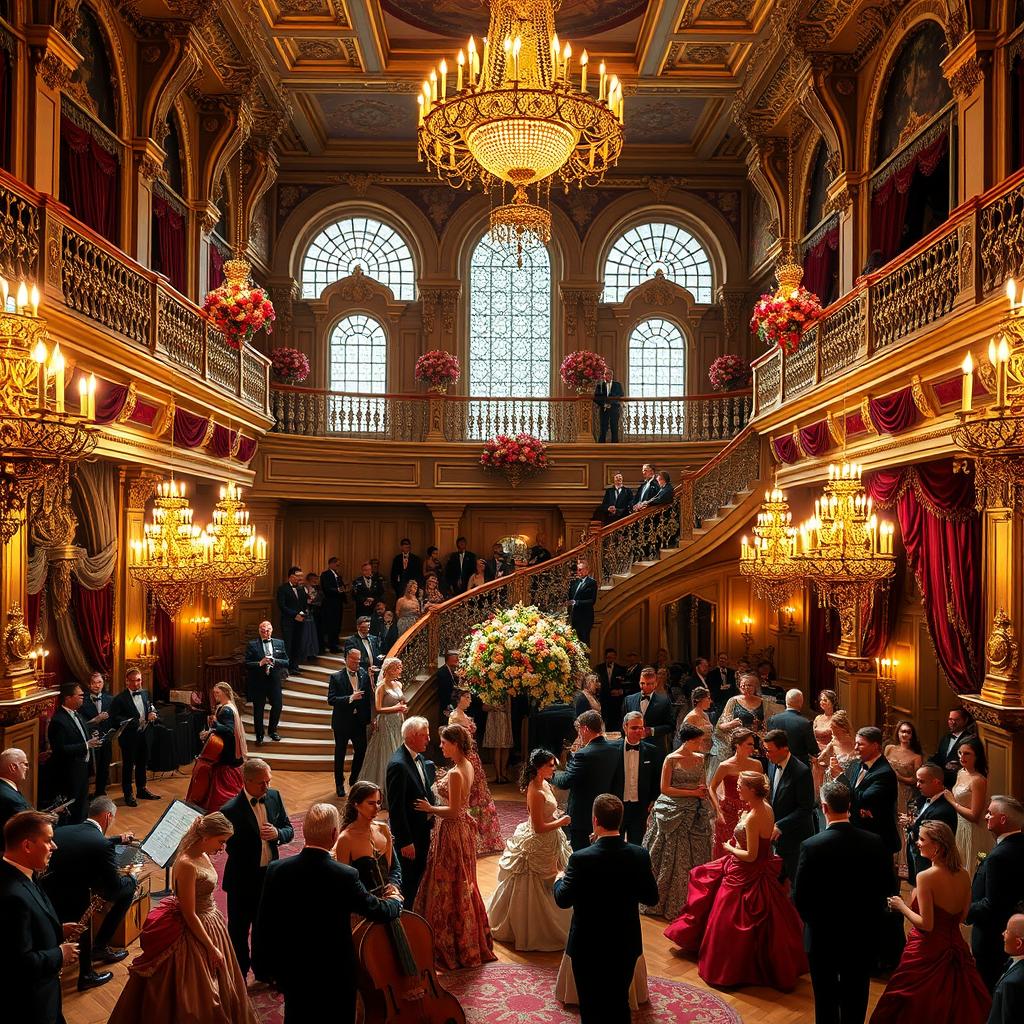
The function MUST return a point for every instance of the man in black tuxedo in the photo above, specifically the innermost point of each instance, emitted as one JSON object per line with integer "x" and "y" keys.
{"x": 605, "y": 883}
{"x": 840, "y": 946}
{"x": 656, "y": 709}
{"x": 647, "y": 488}
{"x": 997, "y": 890}
{"x": 721, "y": 682}
{"x": 792, "y": 798}
{"x": 498, "y": 565}
{"x": 362, "y": 640}
{"x": 71, "y": 749}
{"x": 935, "y": 807}
{"x": 410, "y": 777}
{"x": 85, "y": 865}
{"x": 405, "y": 566}
{"x": 293, "y": 604}
{"x": 367, "y": 590}
{"x": 96, "y": 713}
{"x": 297, "y": 966}
{"x": 616, "y": 501}
{"x": 333, "y": 588}
{"x": 641, "y": 776}
{"x": 1008, "y": 995}
{"x": 460, "y": 566}
{"x": 132, "y": 705}
{"x": 261, "y": 826}
{"x": 614, "y": 686}
{"x": 266, "y": 663}
{"x": 947, "y": 757}
{"x": 34, "y": 945}
{"x": 608, "y": 396}
{"x": 13, "y": 772}
{"x": 447, "y": 681}
{"x": 582, "y": 598}
{"x": 798, "y": 729}
{"x": 351, "y": 698}
{"x": 699, "y": 677}
{"x": 594, "y": 769}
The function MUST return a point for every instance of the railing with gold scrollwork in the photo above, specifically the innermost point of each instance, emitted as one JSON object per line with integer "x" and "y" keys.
{"x": 90, "y": 277}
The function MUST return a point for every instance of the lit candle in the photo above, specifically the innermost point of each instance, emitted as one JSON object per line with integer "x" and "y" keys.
{"x": 1003, "y": 354}
{"x": 517, "y": 46}
{"x": 83, "y": 386}
{"x": 602, "y": 81}
{"x": 584, "y": 61}
{"x": 419, "y": 100}
{"x": 461, "y": 61}
{"x": 567, "y": 54}
{"x": 444, "y": 79}
{"x": 39, "y": 355}
{"x": 34, "y": 300}
{"x": 745, "y": 550}
{"x": 57, "y": 368}
{"x": 92, "y": 396}
{"x": 613, "y": 87}
{"x": 471, "y": 50}
{"x": 22, "y": 298}
{"x": 1011, "y": 293}
{"x": 485, "y": 71}
{"x": 967, "y": 388}
{"x": 433, "y": 86}
{"x": 556, "y": 50}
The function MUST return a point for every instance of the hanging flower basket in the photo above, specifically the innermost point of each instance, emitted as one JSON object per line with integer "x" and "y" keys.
{"x": 238, "y": 308}
{"x": 780, "y": 319}
{"x": 582, "y": 371}
{"x": 438, "y": 370}
{"x": 729, "y": 373}
{"x": 516, "y": 457}
{"x": 289, "y": 365}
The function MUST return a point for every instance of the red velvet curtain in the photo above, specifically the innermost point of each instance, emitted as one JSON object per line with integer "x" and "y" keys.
{"x": 894, "y": 412}
{"x": 216, "y": 274}
{"x": 222, "y": 441}
{"x": 110, "y": 400}
{"x": 32, "y": 611}
{"x": 820, "y": 265}
{"x": 823, "y": 634}
{"x": 785, "y": 449}
{"x": 163, "y": 670}
{"x": 92, "y": 179}
{"x": 169, "y": 229}
{"x": 189, "y": 428}
{"x": 246, "y": 449}
{"x": 881, "y": 622}
{"x": 94, "y": 616}
{"x": 816, "y": 439}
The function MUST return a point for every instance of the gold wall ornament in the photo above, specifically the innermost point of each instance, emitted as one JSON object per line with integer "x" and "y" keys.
{"x": 1001, "y": 648}
{"x": 17, "y": 639}
{"x": 921, "y": 397}
{"x": 865, "y": 415}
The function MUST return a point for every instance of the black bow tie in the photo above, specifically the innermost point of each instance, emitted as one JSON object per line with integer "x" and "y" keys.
{"x": 258, "y": 800}
{"x": 631, "y": 746}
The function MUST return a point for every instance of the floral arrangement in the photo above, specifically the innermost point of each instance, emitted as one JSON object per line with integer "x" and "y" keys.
{"x": 522, "y": 650}
{"x": 437, "y": 369}
{"x": 516, "y": 456}
{"x": 289, "y": 365}
{"x": 582, "y": 370}
{"x": 238, "y": 310}
{"x": 729, "y": 373}
{"x": 779, "y": 319}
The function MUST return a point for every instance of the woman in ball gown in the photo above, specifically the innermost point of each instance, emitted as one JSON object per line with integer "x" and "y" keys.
{"x": 678, "y": 834}
{"x": 906, "y": 757}
{"x": 408, "y": 607}
{"x": 828, "y": 702}
{"x": 588, "y": 697}
{"x": 390, "y": 708}
{"x": 937, "y": 979}
{"x": 498, "y": 737}
{"x": 738, "y": 916}
{"x": 743, "y": 712}
{"x": 187, "y": 970}
{"x": 366, "y": 843}
{"x": 212, "y": 786}
{"x": 839, "y": 751}
{"x": 700, "y": 698}
{"x": 522, "y": 910}
{"x": 448, "y": 896}
{"x": 728, "y": 807}
{"x": 970, "y": 799}
{"x": 481, "y": 804}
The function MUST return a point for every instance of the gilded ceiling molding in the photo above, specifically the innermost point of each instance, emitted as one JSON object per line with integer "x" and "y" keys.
{"x": 166, "y": 420}
{"x": 141, "y": 487}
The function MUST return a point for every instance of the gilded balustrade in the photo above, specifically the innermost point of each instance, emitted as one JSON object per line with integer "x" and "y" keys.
{"x": 180, "y": 334}
{"x": 840, "y": 335}
{"x": 19, "y": 236}
{"x": 222, "y": 363}
{"x": 800, "y": 367}
{"x": 1001, "y": 236}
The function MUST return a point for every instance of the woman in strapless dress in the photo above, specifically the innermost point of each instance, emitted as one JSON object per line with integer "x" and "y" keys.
{"x": 366, "y": 843}
{"x": 828, "y": 702}
{"x": 728, "y": 807}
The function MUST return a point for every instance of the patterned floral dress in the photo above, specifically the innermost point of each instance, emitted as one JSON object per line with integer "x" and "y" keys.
{"x": 481, "y": 804}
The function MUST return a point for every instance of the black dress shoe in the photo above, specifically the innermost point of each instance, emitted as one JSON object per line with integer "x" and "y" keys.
{"x": 275, "y": 737}
{"x": 108, "y": 955}
{"x": 340, "y": 793}
{"x": 94, "y": 979}
{"x": 130, "y": 801}
{"x": 144, "y": 794}
{"x": 259, "y": 741}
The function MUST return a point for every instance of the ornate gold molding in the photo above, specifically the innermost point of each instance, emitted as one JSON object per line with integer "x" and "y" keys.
{"x": 922, "y": 397}
{"x": 1001, "y": 648}
{"x": 140, "y": 490}
{"x": 575, "y": 299}
{"x": 166, "y": 420}
{"x": 865, "y": 413}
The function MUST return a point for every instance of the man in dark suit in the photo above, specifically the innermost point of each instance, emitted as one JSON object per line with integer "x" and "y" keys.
{"x": 298, "y": 965}
{"x": 71, "y": 749}
{"x": 132, "y": 705}
{"x": 85, "y": 865}
{"x": 498, "y": 565}
{"x": 261, "y": 826}
{"x": 935, "y": 807}
{"x": 798, "y": 729}
{"x": 605, "y": 883}
{"x": 293, "y": 604}
{"x": 582, "y": 598}
{"x": 840, "y": 946}
{"x": 641, "y": 776}
{"x": 608, "y": 396}
{"x": 614, "y": 686}
{"x": 592, "y": 770}
{"x": 266, "y": 663}
{"x": 647, "y": 488}
{"x": 1008, "y": 995}
{"x": 13, "y": 772}
{"x": 656, "y": 709}
{"x": 460, "y": 566}
{"x": 370, "y": 657}
{"x": 997, "y": 890}
{"x": 616, "y": 501}
{"x": 410, "y": 777}
{"x": 792, "y": 797}
{"x": 947, "y": 757}
{"x": 333, "y": 588}
{"x": 34, "y": 945}
{"x": 720, "y": 681}
{"x": 405, "y": 566}
{"x": 96, "y": 714}
{"x": 447, "y": 681}
{"x": 351, "y": 698}
{"x": 367, "y": 590}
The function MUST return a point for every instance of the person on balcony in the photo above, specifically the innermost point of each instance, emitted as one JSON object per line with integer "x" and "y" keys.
{"x": 499, "y": 564}
{"x": 460, "y": 567}
{"x": 608, "y": 398}
{"x": 582, "y": 596}
{"x": 617, "y": 500}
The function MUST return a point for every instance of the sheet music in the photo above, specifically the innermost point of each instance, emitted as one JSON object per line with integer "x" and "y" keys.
{"x": 162, "y": 842}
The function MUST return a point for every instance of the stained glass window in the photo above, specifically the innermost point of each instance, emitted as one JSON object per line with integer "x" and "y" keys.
{"x": 644, "y": 250}
{"x": 377, "y": 248}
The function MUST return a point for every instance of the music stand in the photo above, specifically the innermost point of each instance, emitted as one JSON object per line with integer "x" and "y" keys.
{"x": 161, "y": 845}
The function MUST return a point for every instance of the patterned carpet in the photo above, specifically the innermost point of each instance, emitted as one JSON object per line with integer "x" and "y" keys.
{"x": 510, "y": 813}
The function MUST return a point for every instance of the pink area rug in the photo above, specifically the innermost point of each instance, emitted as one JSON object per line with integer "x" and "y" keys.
{"x": 510, "y": 814}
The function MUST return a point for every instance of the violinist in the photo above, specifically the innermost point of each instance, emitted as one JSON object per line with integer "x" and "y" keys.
{"x": 216, "y": 777}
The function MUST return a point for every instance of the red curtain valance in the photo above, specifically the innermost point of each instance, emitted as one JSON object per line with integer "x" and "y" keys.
{"x": 246, "y": 449}
{"x": 190, "y": 429}
{"x": 895, "y": 412}
{"x": 785, "y": 449}
{"x": 816, "y": 439}
{"x": 820, "y": 264}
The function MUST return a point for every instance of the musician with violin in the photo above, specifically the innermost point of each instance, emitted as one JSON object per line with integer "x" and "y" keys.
{"x": 96, "y": 712}
{"x": 216, "y": 777}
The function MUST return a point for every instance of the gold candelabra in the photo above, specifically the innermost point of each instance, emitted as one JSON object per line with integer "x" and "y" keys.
{"x": 239, "y": 556}
{"x": 200, "y": 626}
{"x": 748, "y": 636}
{"x": 145, "y": 657}
{"x": 769, "y": 562}
{"x": 885, "y": 670}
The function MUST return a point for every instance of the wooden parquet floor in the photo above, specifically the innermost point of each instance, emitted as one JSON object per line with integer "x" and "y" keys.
{"x": 301, "y": 789}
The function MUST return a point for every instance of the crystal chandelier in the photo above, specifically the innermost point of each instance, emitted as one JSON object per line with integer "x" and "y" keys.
{"x": 846, "y": 552}
{"x": 239, "y": 557}
{"x": 38, "y": 436}
{"x": 769, "y": 562}
{"x": 519, "y": 114}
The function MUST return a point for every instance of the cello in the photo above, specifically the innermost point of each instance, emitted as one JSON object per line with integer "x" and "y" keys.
{"x": 200, "y": 786}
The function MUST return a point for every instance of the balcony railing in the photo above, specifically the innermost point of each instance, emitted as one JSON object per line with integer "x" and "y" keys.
{"x": 314, "y": 412}
{"x": 96, "y": 282}
{"x": 960, "y": 264}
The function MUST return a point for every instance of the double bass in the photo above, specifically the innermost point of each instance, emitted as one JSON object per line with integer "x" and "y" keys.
{"x": 200, "y": 786}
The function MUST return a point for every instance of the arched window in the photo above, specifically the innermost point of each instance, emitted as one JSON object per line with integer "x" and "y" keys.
{"x": 657, "y": 370}
{"x": 377, "y": 248}
{"x": 644, "y": 250}
{"x": 358, "y": 357}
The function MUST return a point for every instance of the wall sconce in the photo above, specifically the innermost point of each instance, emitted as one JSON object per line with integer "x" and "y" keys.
{"x": 885, "y": 669}
{"x": 201, "y": 625}
{"x": 790, "y": 613}
{"x": 748, "y": 637}
{"x": 146, "y": 657}
{"x": 38, "y": 658}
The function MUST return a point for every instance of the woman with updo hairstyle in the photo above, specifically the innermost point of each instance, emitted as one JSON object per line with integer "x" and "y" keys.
{"x": 187, "y": 970}
{"x": 828, "y": 704}
{"x": 840, "y": 752}
{"x": 213, "y": 784}
{"x": 481, "y": 804}
{"x": 723, "y": 787}
{"x": 448, "y": 895}
{"x": 365, "y": 842}
{"x": 522, "y": 910}
{"x": 739, "y": 918}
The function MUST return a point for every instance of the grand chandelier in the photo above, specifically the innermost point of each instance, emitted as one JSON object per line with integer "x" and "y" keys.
{"x": 520, "y": 113}
{"x": 38, "y": 436}
{"x": 239, "y": 557}
{"x": 769, "y": 562}
{"x": 994, "y": 437}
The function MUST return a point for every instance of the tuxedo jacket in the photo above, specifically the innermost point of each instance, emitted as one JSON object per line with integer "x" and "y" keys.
{"x": 799, "y": 732}
{"x": 793, "y": 804}
{"x": 447, "y": 681}
{"x": 11, "y": 803}
{"x": 91, "y": 707}
{"x": 374, "y": 657}
{"x": 722, "y": 685}
{"x": 604, "y": 884}
{"x": 940, "y": 809}
{"x": 997, "y": 890}
{"x": 291, "y": 605}
{"x": 84, "y": 864}
{"x": 584, "y": 593}
{"x": 123, "y": 709}
{"x": 659, "y": 717}
{"x": 404, "y": 788}
{"x": 339, "y": 696}
{"x": 622, "y": 502}
{"x": 662, "y": 495}
{"x": 400, "y": 576}
{"x": 877, "y": 794}
{"x": 255, "y": 652}
{"x": 456, "y": 576}
{"x": 366, "y": 594}
{"x": 607, "y": 394}
{"x": 1008, "y": 997}
{"x": 66, "y": 743}
{"x": 333, "y": 588}
{"x": 648, "y": 785}
{"x": 242, "y": 868}
{"x": 508, "y": 567}
{"x": 616, "y": 679}
{"x": 947, "y": 751}
{"x": 30, "y": 956}
{"x": 591, "y": 771}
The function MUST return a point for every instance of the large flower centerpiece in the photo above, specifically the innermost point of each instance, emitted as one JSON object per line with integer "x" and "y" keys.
{"x": 437, "y": 369}
{"x": 729, "y": 373}
{"x": 289, "y": 365}
{"x": 779, "y": 319}
{"x": 516, "y": 457}
{"x": 238, "y": 308}
{"x": 582, "y": 371}
{"x": 522, "y": 650}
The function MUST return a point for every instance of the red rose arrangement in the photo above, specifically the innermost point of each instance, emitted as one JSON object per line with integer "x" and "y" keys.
{"x": 289, "y": 365}
{"x": 729, "y": 373}
{"x": 516, "y": 457}
{"x": 437, "y": 369}
{"x": 239, "y": 310}
{"x": 780, "y": 319}
{"x": 582, "y": 370}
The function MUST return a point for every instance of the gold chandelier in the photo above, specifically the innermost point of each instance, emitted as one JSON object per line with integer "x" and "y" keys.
{"x": 846, "y": 552}
{"x": 518, "y": 114}
{"x": 239, "y": 557}
{"x": 769, "y": 562}
{"x": 38, "y": 436}
{"x": 994, "y": 437}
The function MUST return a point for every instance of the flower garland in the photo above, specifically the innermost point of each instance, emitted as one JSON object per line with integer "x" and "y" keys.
{"x": 729, "y": 373}
{"x": 582, "y": 370}
{"x": 237, "y": 308}
{"x": 437, "y": 369}
{"x": 779, "y": 319}
{"x": 522, "y": 650}
{"x": 516, "y": 457}
{"x": 289, "y": 365}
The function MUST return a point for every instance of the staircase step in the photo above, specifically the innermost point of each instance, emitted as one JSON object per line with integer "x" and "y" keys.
{"x": 319, "y": 714}
{"x": 303, "y": 684}
{"x": 305, "y": 747}
{"x": 284, "y": 761}
{"x": 306, "y": 701}
{"x": 294, "y": 727}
